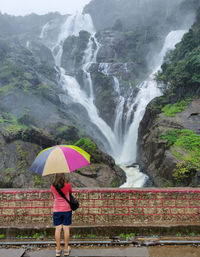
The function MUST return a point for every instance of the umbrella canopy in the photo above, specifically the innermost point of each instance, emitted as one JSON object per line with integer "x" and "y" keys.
{"x": 60, "y": 159}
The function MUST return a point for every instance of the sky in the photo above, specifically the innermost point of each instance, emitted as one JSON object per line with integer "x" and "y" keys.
{"x": 24, "y": 7}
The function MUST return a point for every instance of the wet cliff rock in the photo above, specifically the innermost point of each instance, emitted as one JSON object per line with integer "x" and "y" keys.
{"x": 168, "y": 146}
{"x": 18, "y": 150}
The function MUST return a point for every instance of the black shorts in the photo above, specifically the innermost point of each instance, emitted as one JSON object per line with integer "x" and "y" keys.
{"x": 62, "y": 218}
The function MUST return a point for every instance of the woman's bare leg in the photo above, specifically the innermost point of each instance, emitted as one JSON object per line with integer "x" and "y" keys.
{"x": 66, "y": 236}
{"x": 57, "y": 236}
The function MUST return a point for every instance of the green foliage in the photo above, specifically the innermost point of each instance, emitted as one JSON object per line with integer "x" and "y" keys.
{"x": 8, "y": 70}
{"x": 25, "y": 118}
{"x": 171, "y": 136}
{"x": 14, "y": 75}
{"x": 181, "y": 67}
{"x": 189, "y": 140}
{"x": 127, "y": 236}
{"x": 172, "y": 109}
{"x": 39, "y": 181}
{"x": 86, "y": 144}
{"x": 9, "y": 175}
{"x": 22, "y": 164}
{"x": 91, "y": 236}
{"x": 43, "y": 89}
{"x": 22, "y": 237}
{"x": 76, "y": 236}
{"x": 1, "y": 120}
{"x": 36, "y": 235}
{"x": 11, "y": 123}
{"x": 2, "y": 236}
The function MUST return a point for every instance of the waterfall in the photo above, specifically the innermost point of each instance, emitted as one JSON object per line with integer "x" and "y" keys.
{"x": 118, "y": 125}
{"x": 148, "y": 90}
{"x": 121, "y": 141}
{"x": 44, "y": 29}
{"x": 73, "y": 25}
{"x": 89, "y": 58}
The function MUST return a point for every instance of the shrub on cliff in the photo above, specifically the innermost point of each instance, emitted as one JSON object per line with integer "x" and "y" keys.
{"x": 86, "y": 144}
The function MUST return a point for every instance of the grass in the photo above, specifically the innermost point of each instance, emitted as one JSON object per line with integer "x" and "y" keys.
{"x": 172, "y": 109}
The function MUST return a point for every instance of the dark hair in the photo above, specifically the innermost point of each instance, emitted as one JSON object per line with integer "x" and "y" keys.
{"x": 59, "y": 180}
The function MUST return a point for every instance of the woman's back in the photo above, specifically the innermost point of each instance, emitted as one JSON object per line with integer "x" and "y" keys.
{"x": 60, "y": 204}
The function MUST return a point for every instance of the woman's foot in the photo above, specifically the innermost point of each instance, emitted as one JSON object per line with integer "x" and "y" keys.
{"x": 58, "y": 253}
{"x": 67, "y": 251}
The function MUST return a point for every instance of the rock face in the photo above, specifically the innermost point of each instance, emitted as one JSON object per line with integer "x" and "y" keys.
{"x": 155, "y": 155}
{"x": 18, "y": 151}
{"x": 99, "y": 175}
{"x": 32, "y": 117}
{"x": 73, "y": 52}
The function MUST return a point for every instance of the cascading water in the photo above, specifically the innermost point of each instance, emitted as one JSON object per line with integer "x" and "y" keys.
{"x": 73, "y": 25}
{"x": 148, "y": 91}
{"x": 122, "y": 143}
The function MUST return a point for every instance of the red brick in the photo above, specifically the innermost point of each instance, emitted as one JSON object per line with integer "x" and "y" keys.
{"x": 150, "y": 210}
{"x": 182, "y": 203}
{"x": 141, "y": 203}
{"x": 155, "y": 203}
{"x": 115, "y": 203}
{"x": 136, "y": 210}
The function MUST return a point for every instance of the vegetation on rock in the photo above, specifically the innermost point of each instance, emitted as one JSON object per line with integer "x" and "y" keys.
{"x": 180, "y": 74}
{"x": 172, "y": 109}
{"x": 185, "y": 146}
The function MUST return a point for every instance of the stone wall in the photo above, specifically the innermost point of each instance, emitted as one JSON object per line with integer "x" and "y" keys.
{"x": 104, "y": 207}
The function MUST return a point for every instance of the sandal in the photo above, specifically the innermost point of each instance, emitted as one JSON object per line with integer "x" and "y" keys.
{"x": 58, "y": 253}
{"x": 67, "y": 252}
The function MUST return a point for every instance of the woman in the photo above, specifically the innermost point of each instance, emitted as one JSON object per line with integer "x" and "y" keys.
{"x": 62, "y": 213}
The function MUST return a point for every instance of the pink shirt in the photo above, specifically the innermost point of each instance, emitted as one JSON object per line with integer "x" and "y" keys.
{"x": 60, "y": 204}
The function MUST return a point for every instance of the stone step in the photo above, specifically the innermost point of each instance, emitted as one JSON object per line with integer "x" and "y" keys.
{"x": 11, "y": 252}
{"x": 111, "y": 252}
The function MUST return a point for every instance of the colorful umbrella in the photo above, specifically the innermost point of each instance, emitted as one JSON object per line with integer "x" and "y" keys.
{"x": 60, "y": 159}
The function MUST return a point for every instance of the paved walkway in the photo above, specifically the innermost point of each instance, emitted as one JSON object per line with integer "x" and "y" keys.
{"x": 155, "y": 251}
{"x": 109, "y": 252}
{"x": 11, "y": 252}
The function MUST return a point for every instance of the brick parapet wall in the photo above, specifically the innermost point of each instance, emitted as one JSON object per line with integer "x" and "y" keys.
{"x": 104, "y": 207}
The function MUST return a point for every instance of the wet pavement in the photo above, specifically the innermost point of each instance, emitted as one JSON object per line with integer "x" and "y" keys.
{"x": 174, "y": 251}
{"x": 93, "y": 251}
{"x": 112, "y": 252}
{"x": 11, "y": 252}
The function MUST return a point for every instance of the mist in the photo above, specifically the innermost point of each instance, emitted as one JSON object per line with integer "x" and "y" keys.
{"x": 24, "y": 7}
{"x": 140, "y": 13}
